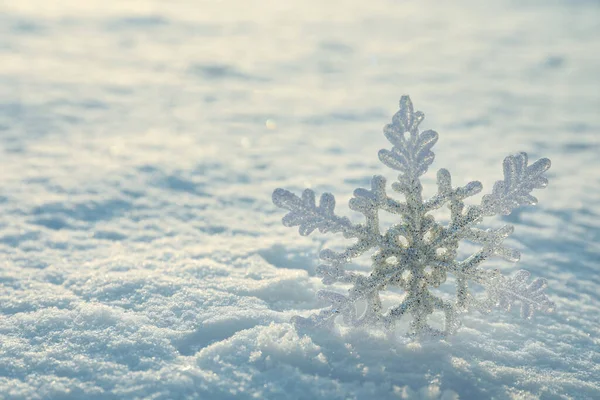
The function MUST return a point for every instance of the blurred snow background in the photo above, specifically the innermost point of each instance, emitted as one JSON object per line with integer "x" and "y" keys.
{"x": 140, "y": 142}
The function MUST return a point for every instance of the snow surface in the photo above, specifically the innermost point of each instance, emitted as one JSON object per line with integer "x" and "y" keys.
{"x": 141, "y": 256}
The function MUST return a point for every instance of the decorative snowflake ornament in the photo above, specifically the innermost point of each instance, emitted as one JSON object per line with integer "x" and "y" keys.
{"x": 418, "y": 253}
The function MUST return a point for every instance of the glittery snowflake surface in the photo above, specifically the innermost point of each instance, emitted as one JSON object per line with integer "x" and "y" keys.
{"x": 418, "y": 253}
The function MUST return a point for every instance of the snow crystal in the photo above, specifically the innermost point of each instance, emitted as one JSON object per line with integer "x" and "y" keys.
{"x": 419, "y": 252}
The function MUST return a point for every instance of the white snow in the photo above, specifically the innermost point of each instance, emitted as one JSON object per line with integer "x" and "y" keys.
{"x": 140, "y": 141}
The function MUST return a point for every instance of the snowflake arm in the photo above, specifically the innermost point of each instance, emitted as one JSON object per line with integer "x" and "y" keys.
{"x": 305, "y": 214}
{"x": 519, "y": 180}
{"x": 505, "y": 292}
{"x": 411, "y": 155}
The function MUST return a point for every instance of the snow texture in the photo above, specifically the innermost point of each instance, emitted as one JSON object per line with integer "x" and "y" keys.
{"x": 418, "y": 253}
{"x": 141, "y": 256}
